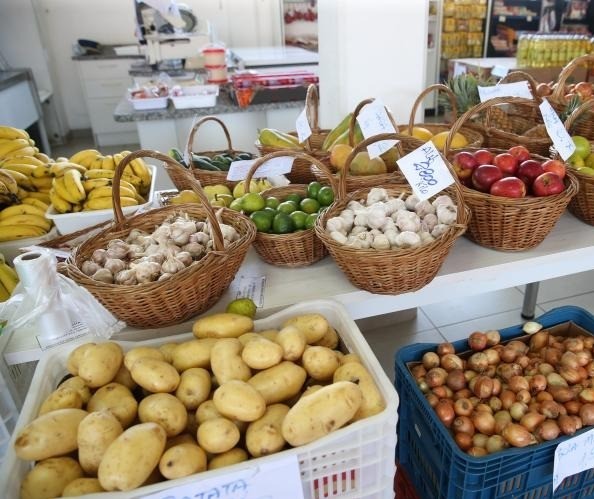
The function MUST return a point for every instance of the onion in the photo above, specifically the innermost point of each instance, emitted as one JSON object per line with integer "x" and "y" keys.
{"x": 464, "y": 440}
{"x": 469, "y": 374}
{"x": 507, "y": 371}
{"x": 436, "y": 377}
{"x": 517, "y": 410}
{"x": 496, "y": 443}
{"x": 561, "y": 394}
{"x": 523, "y": 396}
{"x": 484, "y": 422}
{"x": 479, "y": 440}
{"x": 456, "y": 380}
{"x": 531, "y": 420}
{"x": 550, "y": 409}
{"x": 517, "y": 436}
{"x": 501, "y": 419}
{"x": 578, "y": 422}
{"x": 491, "y": 371}
{"x": 463, "y": 424}
{"x": 463, "y": 407}
{"x": 569, "y": 359}
{"x": 493, "y": 338}
{"x": 586, "y": 395}
{"x": 539, "y": 340}
{"x": 451, "y": 362}
{"x": 477, "y": 452}
{"x": 531, "y": 327}
{"x": 570, "y": 374}
{"x": 554, "y": 379}
{"x": 444, "y": 348}
{"x": 465, "y": 393}
{"x": 542, "y": 396}
{"x": 584, "y": 358}
{"x": 548, "y": 430}
{"x": 518, "y": 383}
{"x": 442, "y": 392}
{"x": 445, "y": 412}
{"x": 483, "y": 387}
{"x": 493, "y": 357}
{"x": 518, "y": 346}
{"x": 478, "y": 362}
{"x": 474, "y": 401}
{"x": 572, "y": 407}
{"x": 567, "y": 425}
{"x": 537, "y": 383}
{"x": 507, "y": 398}
{"x": 523, "y": 360}
{"x": 430, "y": 360}
{"x": 508, "y": 354}
{"x": 586, "y": 414}
{"x": 590, "y": 369}
{"x": 552, "y": 355}
{"x": 588, "y": 342}
{"x": 545, "y": 368}
{"x": 418, "y": 372}
{"x": 477, "y": 341}
{"x": 496, "y": 386}
{"x": 533, "y": 406}
{"x": 483, "y": 408}
{"x": 423, "y": 386}
{"x": 432, "y": 399}
{"x": 574, "y": 344}
{"x": 495, "y": 404}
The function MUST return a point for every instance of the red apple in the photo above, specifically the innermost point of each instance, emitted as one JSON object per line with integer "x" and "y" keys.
{"x": 484, "y": 176}
{"x": 507, "y": 163}
{"x": 547, "y": 184}
{"x": 509, "y": 187}
{"x": 484, "y": 157}
{"x": 554, "y": 166}
{"x": 528, "y": 171}
{"x": 464, "y": 164}
{"x": 519, "y": 152}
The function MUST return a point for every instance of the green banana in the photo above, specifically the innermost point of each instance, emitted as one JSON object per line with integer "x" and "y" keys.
{"x": 274, "y": 138}
{"x": 336, "y": 132}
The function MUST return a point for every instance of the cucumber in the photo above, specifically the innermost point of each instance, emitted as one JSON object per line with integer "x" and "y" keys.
{"x": 205, "y": 165}
{"x": 177, "y": 155}
{"x": 221, "y": 165}
{"x": 244, "y": 156}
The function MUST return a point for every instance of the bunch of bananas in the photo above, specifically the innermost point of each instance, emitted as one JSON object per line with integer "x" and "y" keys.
{"x": 8, "y": 279}
{"x": 84, "y": 182}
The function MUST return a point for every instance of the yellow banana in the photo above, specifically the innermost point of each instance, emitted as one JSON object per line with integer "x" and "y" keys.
{"x": 9, "y": 182}
{"x": 73, "y": 182}
{"x": 125, "y": 153}
{"x": 98, "y": 173}
{"x": 117, "y": 158}
{"x": 108, "y": 163}
{"x": 42, "y": 183}
{"x": 106, "y": 191}
{"x": 17, "y": 153}
{"x": 34, "y": 220}
{"x": 8, "y": 277}
{"x": 12, "y": 232}
{"x": 41, "y": 171}
{"x": 21, "y": 209}
{"x": 4, "y": 294}
{"x": 63, "y": 192}
{"x": 43, "y": 157}
{"x": 107, "y": 202}
{"x": 6, "y": 194}
{"x": 62, "y": 159}
{"x": 76, "y": 208}
{"x": 9, "y": 132}
{"x": 23, "y": 168}
{"x": 141, "y": 171}
{"x": 84, "y": 155}
{"x": 22, "y": 194}
{"x": 24, "y": 160}
{"x": 43, "y": 196}
{"x": 20, "y": 178}
{"x": 35, "y": 202}
{"x": 59, "y": 203}
{"x": 58, "y": 169}
{"x": 94, "y": 183}
{"x": 13, "y": 145}
{"x": 96, "y": 163}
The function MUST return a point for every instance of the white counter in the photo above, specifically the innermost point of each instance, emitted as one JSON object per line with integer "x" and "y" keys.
{"x": 275, "y": 56}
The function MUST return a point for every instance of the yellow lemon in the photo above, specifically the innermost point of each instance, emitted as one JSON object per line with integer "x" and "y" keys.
{"x": 421, "y": 133}
{"x": 458, "y": 141}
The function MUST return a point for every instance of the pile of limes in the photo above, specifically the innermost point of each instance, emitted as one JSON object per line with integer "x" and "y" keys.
{"x": 293, "y": 213}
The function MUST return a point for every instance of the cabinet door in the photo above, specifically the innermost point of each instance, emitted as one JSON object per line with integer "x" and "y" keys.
{"x": 101, "y": 114}
{"x": 105, "y": 69}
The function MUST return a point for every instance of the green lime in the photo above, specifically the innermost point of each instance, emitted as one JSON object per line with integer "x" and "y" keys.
{"x": 287, "y": 207}
{"x": 326, "y": 196}
{"x": 271, "y": 210}
{"x": 310, "y": 221}
{"x": 242, "y": 306}
{"x": 299, "y": 218}
{"x": 262, "y": 220}
{"x": 282, "y": 224}
{"x": 309, "y": 205}
{"x": 312, "y": 189}
{"x": 272, "y": 202}
{"x": 296, "y": 198}
{"x": 236, "y": 205}
{"x": 252, "y": 201}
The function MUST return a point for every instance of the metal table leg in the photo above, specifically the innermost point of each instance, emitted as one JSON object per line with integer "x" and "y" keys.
{"x": 530, "y": 296}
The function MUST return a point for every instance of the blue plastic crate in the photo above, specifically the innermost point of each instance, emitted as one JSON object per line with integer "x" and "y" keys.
{"x": 439, "y": 469}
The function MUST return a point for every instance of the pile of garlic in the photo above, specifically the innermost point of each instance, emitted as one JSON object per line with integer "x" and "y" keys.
{"x": 174, "y": 245}
{"x": 384, "y": 222}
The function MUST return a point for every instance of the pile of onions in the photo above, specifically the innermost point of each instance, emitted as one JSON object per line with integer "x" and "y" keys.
{"x": 516, "y": 394}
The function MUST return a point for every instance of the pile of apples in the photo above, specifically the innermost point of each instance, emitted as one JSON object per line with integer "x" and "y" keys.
{"x": 511, "y": 174}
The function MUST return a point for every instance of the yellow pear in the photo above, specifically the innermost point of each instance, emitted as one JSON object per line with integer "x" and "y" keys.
{"x": 362, "y": 164}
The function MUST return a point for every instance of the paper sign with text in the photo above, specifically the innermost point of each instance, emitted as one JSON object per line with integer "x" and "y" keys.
{"x": 556, "y": 130}
{"x": 252, "y": 287}
{"x": 459, "y": 69}
{"x": 425, "y": 171}
{"x": 573, "y": 456}
{"x": 499, "y": 71}
{"x": 270, "y": 480}
{"x": 272, "y": 168}
{"x": 373, "y": 120}
{"x": 302, "y": 127}
{"x": 516, "y": 89}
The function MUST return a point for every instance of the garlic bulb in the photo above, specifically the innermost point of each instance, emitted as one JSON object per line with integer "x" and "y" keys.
{"x": 157, "y": 257}
{"x": 355, "y": 206}
{"x": 185, "y": 225}
{"x": 103, "y": 275}
{"x": 179, "y": 236}
{"x": 117, "y": 249}
{"x": 375, "y": 232}
{"x": 185, "y": 258}
{"x": 354, "y": 242}
{"x": 408, "y": 221}
{"x": 447, "y": 214}
{"x": 429, "y": 222}
{"x": 200, "y": 238}
{"x": 173, "y": 248}
{"x": 114, "y": 265}
{"x": 136, "y": 236}
{"x": 229, "y": 232}
{"x": 196, "y": 250}
{"x": 366, "y": 239}
{"x": 89, "y": 267}
{"x": 99, "y": 256}
{"x": 376, "y": 217}
{"x": 172, "y": 265}
{"x": 408, "y": 239}
{"x": 439, "y": 230}
{"x": 391, "y": 234}
{"x": 388, "y": 225}
{"x": 153, "y": 249}
{"x": 380, "y": 242}
{"x": 127, "y": 277}
{"x": 424, "y": 208}
{"x": 162, "y": 277}
{"x": 443, "y": 200}
{"x": 162, "y": 233}
{"x": 200, "y": 226}
{"x": 361, "y": 219}
{"x": 336, "y": 224}
{"x": 411, "y": 201}
{"x": 135, "y": 251}
{"x": 376, "y": 194}
{"x": 358, "y": 229}
{"x": 393, "y": 205}
{"x": 147, "y": 272}
{"x": 426, "y": 238}
{"x": 339, "y": 237}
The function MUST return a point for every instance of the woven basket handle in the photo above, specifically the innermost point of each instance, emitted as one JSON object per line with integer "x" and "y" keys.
{"x": 294, "y": 154}
{"x": 356, "y": 112}
{"x": 312, "y": 106}
{"x": 566, "y": 72}
{"x": 515, "y": 76}
{"x": 201, "y": 122}
{"x": 170, "y": 164}
{"x": 437, "y": 87}
{"x": 575, "y": 115}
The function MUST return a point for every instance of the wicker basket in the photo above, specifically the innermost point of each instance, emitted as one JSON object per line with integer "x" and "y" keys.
{"x": 185, "y": 294}
{"x": 473, "y": 136}
{"x": 204, "y": 176}
{"x": 390, "y": 272}
{"x": 511, "y": 224}
{"x": 297, "y": 249}
{"x": 301, "y": 172}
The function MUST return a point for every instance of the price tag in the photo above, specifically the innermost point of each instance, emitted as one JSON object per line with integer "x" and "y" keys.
{"x": 500, "y": 71}
{"x": 459, "y": 69}
{"x": 425, "y": 171}
{"x": 516, "y": 89}
{"x": 252, "y": 287}
{"x": 272, "y": 168}
{"x": 573, "y": 456}
{"x": 561, "y": 139}
{"x": 278, "y": 478}
{"x": 373, "y": 120}
{"x": 302, "y": 127}
{"x": 502, "y": 19}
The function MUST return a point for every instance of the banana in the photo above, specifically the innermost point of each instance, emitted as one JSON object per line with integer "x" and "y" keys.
{"x": 22, "y": 194}
{"x": 117, "y": 158}
{"x": 108, "y": 163}
{"x": 42, "y": 196}
{"x": 41, "y": 171}
{"x": 98, "y": 173}
{"x": 24, "y": 160}
{"x": 58, "y": 169}
{"x": 128, "y": 185}
{"x": 107, "y": 202}
{"x": 9, "y": 132}
{"x": 73, "y": 182}
{"x": 13, "y": 145}
{"x": 17, "y": 153}
{"x": 59, "y": 203}
{"x": 5, "y": 193}
{"x": 43, "y": 157}
{"x": 140, "y": 169}
{"x": 94, "y": 183}
{"x": 35, "y": 202}
{"x": 21, "y": 179}
{"x": 21, "y": 209}
{"x": 8, "y": 277}
{"x": 34, "y": 220}
{"x": 10, "y": 182}
{"x": 12, "y": 232}
{"x": 62, "y": 159}
{"x": 76, "y": 208}
{"x": 106, "y": 191}
{"x": 63, "y": 192}
{"x": 81, "y": 157}
{"x": 43, "y": 183}
{"x": 4, "y": 294}
{"x": 24, "y": 168}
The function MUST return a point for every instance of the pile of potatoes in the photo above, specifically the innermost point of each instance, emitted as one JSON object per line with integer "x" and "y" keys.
{"x": 128, "y": 419}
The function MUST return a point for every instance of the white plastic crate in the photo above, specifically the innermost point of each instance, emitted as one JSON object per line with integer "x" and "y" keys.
{"x": 149, "y": 103}
{"x": 196, "y": 96}
{"x": 356, "y": 461}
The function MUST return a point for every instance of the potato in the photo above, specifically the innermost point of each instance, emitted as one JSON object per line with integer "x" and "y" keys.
{"x": 82, "y": 486}
{"x": 136, "y": 353}
{"x": 280, "y": 382}
{"x": 50, "y": 435}
{"x": 218, "y": 435}
{"x": 124, "y": 377}
{"x": 329, "y": 340}
{"x": 310, "y": 390}
{"x": 313, "y": 326}
{"x": 373, "y": 402}
{"x": 154, "y": 375}
{"x": 193, "y": 353}
{"x": 49, "y": 478}
{"x": 233, "y": 456}
{"x": 100, "y": 363}
{"x": 74, "y": 357}
{"x": 96, "y": 432}
{"x": 239, "y": 400}
{"x": 349, "y": 357}
{"x": 182, "y": 460}
{"x": 166, "y": 410}
{"x": 260, "y": 353}
{"x": 223, "y": 325}
{"x": 130, "y": 459}
{"x": 247, "y": 337}
{"x": 292, "y": 341}
{"x": 264, "y": 435}
{"x": 269, "y": 334}
{"x": 167, "y": 350}
{"x": 322, "y": 412}
{"x": 192, "y": 423}
{"x": 78, "y": 384}
{"x": 207, "y": 410}
{"x": 194, "y": 387}
{"x": 319, "y": 362}
{"x": 62, "y": 398}
{"x": 182, "y": 438}
{"x": 226, "y": 362}
{"x": 118, "y": 400}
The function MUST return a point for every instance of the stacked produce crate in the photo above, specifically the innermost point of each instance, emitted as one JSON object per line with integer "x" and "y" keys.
{"x": 463, "y": 28}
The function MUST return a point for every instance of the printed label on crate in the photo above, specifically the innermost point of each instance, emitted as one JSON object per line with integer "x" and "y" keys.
{"x": 573, "y": 456}
{"x": 516, "y": 89}
{"x": 252, "y": 287}
{"x": 499, "y": 71}
{"x": 272, "y": 168}
{"x": 459, "y": 69}
{"x": 373, "y": 120}
{"x": 426, "y": 171}
{"x": 556, "y": 130}
{"x": 302, "y": 126}
{"x": 77, "y": 330}
{"x": 276, "y": 478}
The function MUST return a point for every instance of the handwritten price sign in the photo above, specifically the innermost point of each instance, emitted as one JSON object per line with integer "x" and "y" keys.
{"x": 556, "y": 130}
{"x": 302, "y": 127}
{"x": 373, "y": 120}
{"x": 517, "y": 89}
{"x": 272, "y": 168}
{"x": 425, "y": 171}
{"x": 573, "y": 456}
